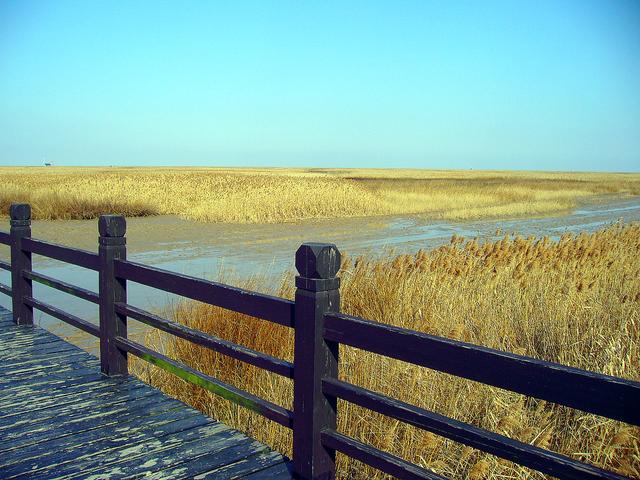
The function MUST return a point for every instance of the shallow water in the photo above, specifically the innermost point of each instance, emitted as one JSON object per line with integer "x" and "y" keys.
{"x": 204, "y": 250}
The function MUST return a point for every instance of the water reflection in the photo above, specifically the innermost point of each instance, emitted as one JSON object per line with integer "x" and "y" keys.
{"x": 204, "y": 250}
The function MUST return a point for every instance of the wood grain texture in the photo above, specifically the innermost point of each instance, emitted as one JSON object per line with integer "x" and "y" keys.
{"x": 315, "y": 358}
{"x": 383, "y": 461}
{"x": 112, "y": 246}
{"x": 544, "y": 461}
{"x": 266, "y": 307}
{"x": 239, "y": 352}
{"x": 61, "y": 418}
{"x": 75, "y": 256}
{"x": 592, "y": 392}
{"x": 21, "y": 287}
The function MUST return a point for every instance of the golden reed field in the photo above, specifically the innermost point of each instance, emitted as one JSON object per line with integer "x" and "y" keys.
{"x": 280, "y": 195}
{"x": 575, "y": 301}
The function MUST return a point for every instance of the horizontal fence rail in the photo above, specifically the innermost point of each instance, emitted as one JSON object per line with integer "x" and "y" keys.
{"x": 376, "y": 458}
{"x": 55, "y": 312}
{"x": 318, "y": 329}
{"x": 266, "y": 307}
{"x": 244, "y": 354}
{"x": 62, "y": 286}
{"x": 524, "y": 454}
{"x": 591, "y": 392}
{"x": 265, "y": 408}
{"x": 74, "y": 256}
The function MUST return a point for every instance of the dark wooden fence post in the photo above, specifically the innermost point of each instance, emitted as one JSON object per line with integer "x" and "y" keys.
{"x": 317, "y": 293}
{"x": 20, "y": 260}
{"x": 112, "y": 246}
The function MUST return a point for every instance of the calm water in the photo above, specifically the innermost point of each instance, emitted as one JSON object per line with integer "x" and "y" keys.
{"x": 204, "y": 250}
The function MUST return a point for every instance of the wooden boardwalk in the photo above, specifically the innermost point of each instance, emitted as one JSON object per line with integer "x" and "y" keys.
{"x": 61, "y": 418}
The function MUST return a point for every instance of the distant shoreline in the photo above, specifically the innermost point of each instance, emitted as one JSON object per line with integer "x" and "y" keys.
{"x": 254, "y": 196}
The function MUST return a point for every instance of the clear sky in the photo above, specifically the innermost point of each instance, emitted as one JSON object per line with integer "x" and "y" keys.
{"x": 481, "y": 84}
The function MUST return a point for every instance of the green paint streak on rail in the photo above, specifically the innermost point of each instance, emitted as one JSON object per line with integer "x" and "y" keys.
{"x": 52, "y": 285}
{"x": 206, "y": 384}
{"x": 59, "y": 286}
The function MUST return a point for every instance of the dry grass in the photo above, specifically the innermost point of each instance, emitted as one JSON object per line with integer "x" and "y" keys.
{"x": 576, "y": 301}
{"x": 279, "y": 195}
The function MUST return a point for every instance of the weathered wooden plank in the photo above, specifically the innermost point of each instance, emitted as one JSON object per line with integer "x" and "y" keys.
{"x": 51, "y": 375}
{"x": 275, "y": 472}
{"x": 5, "y": 289}
{"x": 5, "y": 265}
{"x": 47, "y": 385}
{"x": 592, "y": 392}
{"x": 39, "y": 351}
{"x": 239, "y": 352}
{"x": 186, "y": 465}
{"x": 26, "y": 345}
{"x": 16, "y": 364}
{"x": 53, "y": 378}
{"x": 102, "y": 396}
{"x": 9, "y": 342}
{"x": 99, "y": 441}
{"x": 114, "y": 419}
{"x": 21, "y": 333}
{"x": 98, "y": 389}
{"x": 66, "y": 371}
{"x": 5, "y": 239}
{"x": 74, "y": 256}
{"x": 28, "y": 394}
{"x": 183, "y": 456}
{"x": 42, "y": 351}
{"x": 72, "y": 405}
{"x": 27, "y": 349}
{"x": 266, "y": 307}
{"x": 60, "y": 418}
{"x": 246, "y": 466}
{"x": 45, "y": 368}
{"x": 83, "y": 466}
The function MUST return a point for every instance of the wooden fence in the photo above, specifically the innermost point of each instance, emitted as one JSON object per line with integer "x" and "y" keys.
{"x": 319, "y": 329}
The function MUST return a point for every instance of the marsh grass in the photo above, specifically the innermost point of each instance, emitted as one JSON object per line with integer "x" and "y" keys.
{"x": 280, "y": 195}
{"x": 575, "y": 301}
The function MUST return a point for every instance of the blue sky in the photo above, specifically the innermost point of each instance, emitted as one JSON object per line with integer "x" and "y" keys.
{"x": 552, "y": 85}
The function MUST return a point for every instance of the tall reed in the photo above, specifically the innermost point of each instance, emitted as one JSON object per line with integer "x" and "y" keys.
{"x": 575, "y": 301}
{"x": 281, "y": 195}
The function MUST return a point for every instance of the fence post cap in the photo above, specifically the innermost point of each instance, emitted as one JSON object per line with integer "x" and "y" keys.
{"x": 112, "y": 226}
{"x": 20, "y": 211}
{"x": 318, "y": 260}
